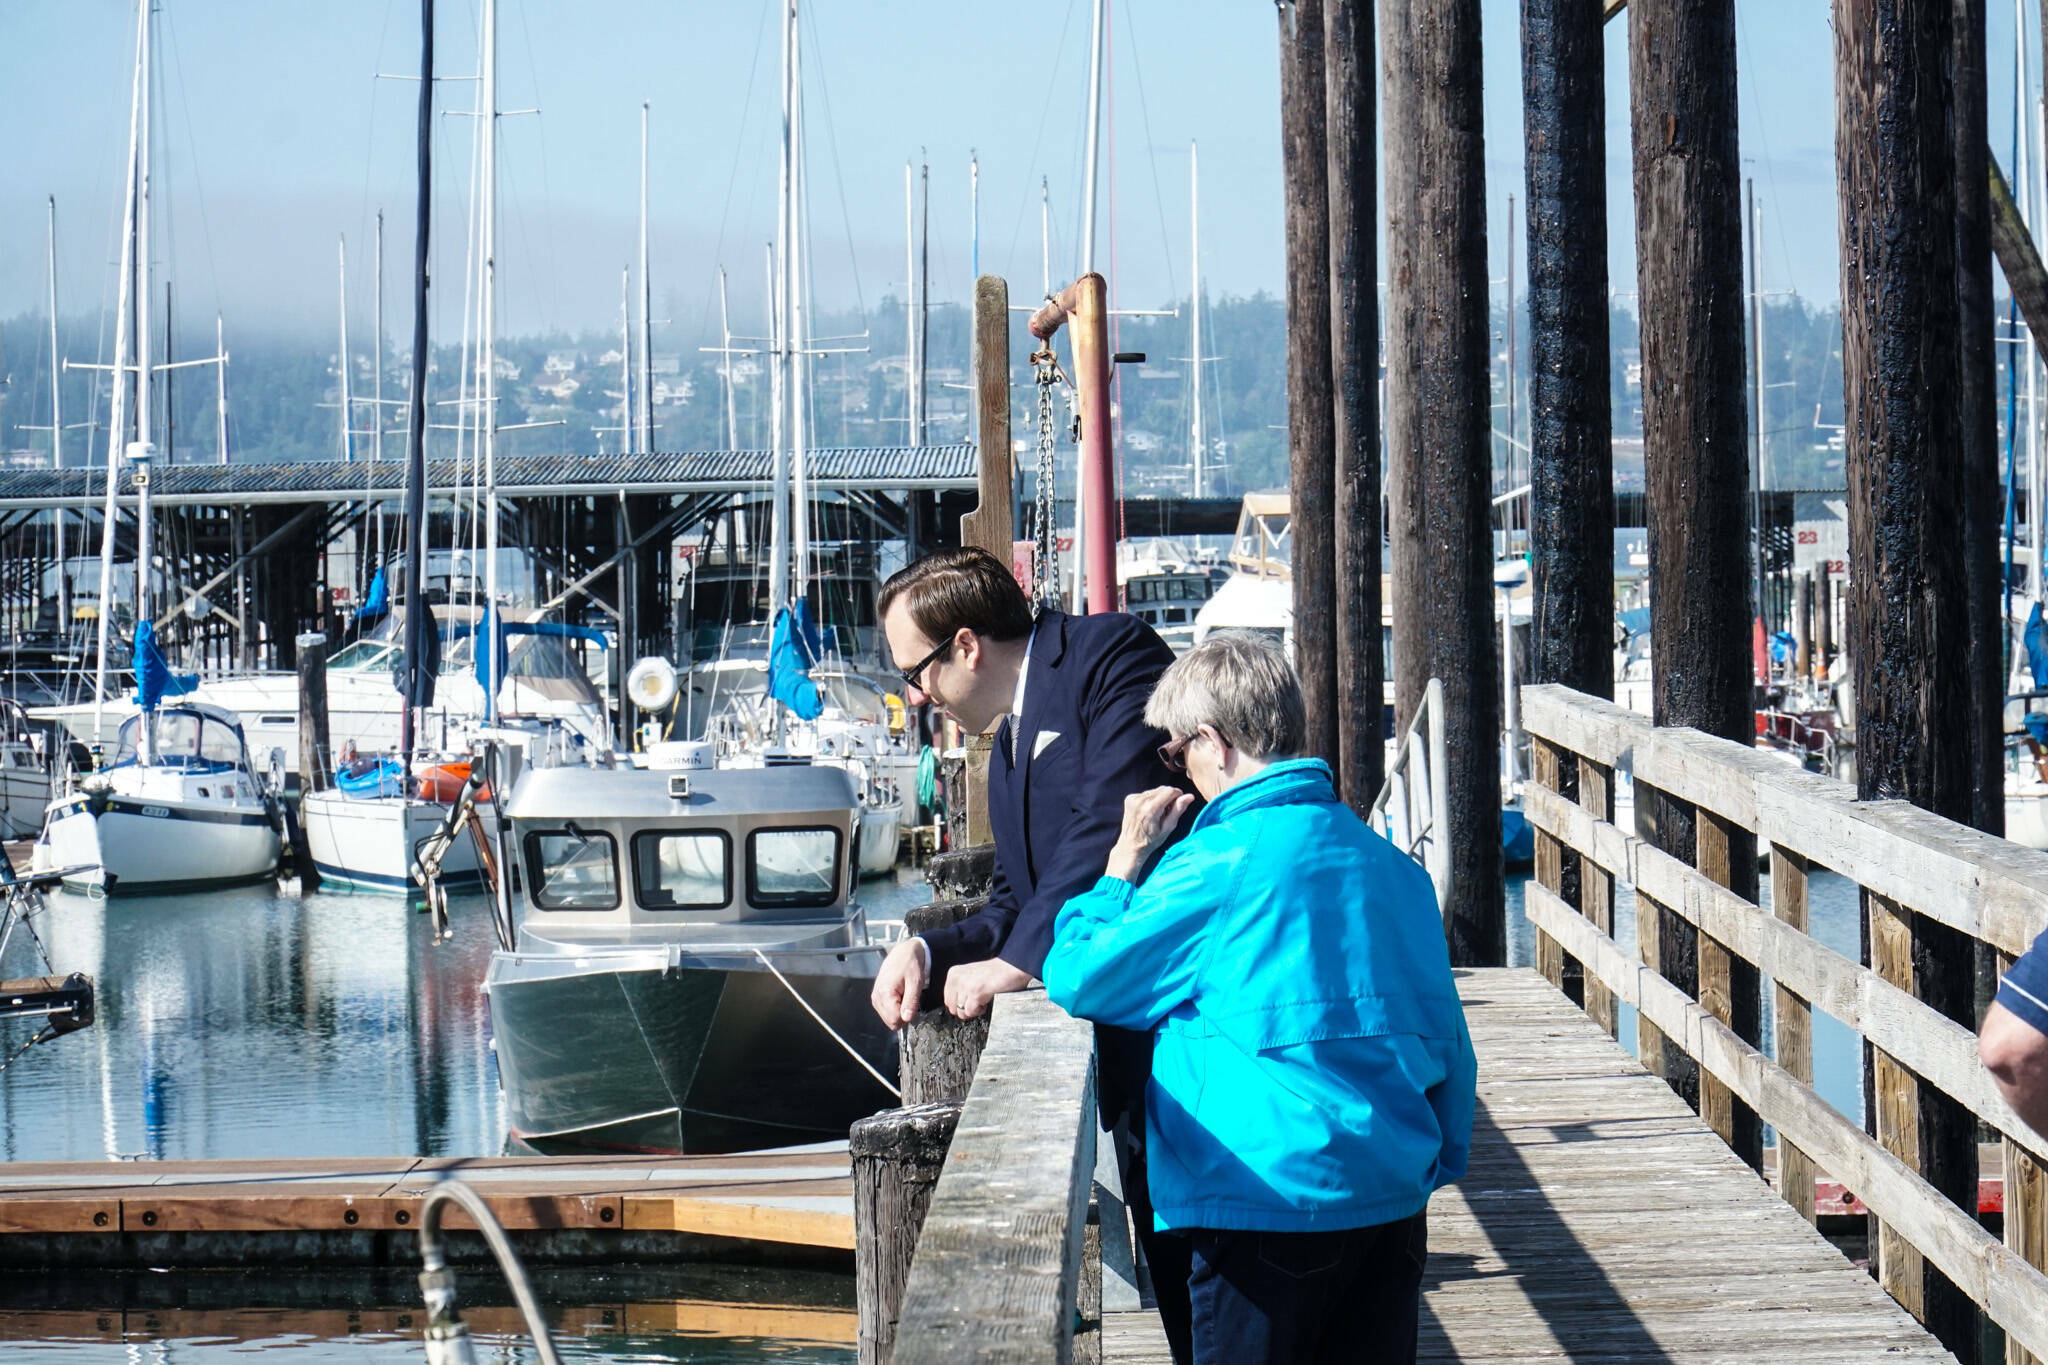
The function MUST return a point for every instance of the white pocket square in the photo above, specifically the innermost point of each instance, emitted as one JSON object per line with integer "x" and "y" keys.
{"x": 1043, "y": 741}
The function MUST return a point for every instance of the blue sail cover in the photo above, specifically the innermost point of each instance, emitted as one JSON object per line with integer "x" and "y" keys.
{"x": 153, "y": 677}
{"x": 377, "y": 601}
{"x": 793, "y": 647}
{"x": 2036, "y": 641}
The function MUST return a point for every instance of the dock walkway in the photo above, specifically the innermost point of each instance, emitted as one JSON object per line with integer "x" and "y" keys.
{"x": 1602, "y": 1220}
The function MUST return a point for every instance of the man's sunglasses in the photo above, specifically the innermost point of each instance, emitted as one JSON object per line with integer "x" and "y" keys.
{"x": 912, "y": 674}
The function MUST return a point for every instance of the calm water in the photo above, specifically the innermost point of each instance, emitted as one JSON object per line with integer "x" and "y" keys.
{"x": 264, "y": 1023}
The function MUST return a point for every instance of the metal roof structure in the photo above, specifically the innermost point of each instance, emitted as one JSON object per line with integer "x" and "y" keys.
{"x": 944, "y": 468}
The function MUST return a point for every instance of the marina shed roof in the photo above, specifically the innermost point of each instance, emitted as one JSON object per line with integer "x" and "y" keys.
{"x": 942, "y": 468}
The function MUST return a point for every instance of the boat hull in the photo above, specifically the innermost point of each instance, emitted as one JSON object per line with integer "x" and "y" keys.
{"x": 654, "y": 1054}
{"x": 143, "y": 847}
{"x": 369, "y": 844}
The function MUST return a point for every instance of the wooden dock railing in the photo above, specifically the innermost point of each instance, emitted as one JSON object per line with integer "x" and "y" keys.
{"x": 999, "y": 1272}
{"x": 1916, "y": 871}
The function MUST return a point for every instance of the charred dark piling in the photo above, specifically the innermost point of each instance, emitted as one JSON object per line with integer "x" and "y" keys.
{"x": 1348, "y": 51}
{"x": 1901, "y": 360}
{"x": 1311, "y": 465}
{"x": 1439, "y": 440}
{"x": 1571, "y": 422}
{"x": 1976, "y": 401}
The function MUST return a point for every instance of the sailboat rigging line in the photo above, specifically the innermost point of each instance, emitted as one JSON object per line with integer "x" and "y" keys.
{"x": 732, "y": 180}
{"x": 864, "y": 1064}
{"x": 838, "y": 175}
{"x": 1145, "y": 116}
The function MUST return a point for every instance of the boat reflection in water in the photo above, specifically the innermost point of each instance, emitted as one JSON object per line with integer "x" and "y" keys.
{"x": 690, "y": 972}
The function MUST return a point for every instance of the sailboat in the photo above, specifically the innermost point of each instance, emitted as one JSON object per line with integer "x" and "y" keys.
{"x": 178, "y": 806}
{"x": 369, "y": 839}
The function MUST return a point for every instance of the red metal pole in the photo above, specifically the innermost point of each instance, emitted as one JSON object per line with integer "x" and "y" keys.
{"x": 1085, "y": 303}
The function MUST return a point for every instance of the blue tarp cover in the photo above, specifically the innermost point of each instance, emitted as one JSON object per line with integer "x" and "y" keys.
{"x": 153, "y": 677}
{"x": 2036, "y": 640}
{"x": 487, "y": 667}
{"x": 377, "y": 601}
{"x": 793, "y": 647}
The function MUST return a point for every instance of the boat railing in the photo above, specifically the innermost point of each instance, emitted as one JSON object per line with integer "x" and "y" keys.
{"x": 1413, "y": 807}
{"x": 1711, "y": 944}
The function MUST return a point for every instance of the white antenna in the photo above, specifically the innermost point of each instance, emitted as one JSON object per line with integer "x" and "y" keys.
{"x": 57, "y": 432}
{"x": 347, "y": 443}
{"x": 377, "y": 382}
{"x": 489, "y": 382}
{"x": 1044, "y": 237}
{"x": 732, "y": 417}
{"x": 911, "y": 396}
{"x": 220, "y": 347}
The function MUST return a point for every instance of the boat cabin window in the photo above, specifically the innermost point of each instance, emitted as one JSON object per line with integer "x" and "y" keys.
{"x": 677, "y": 870}
{"x": 793, "y": 867}
{"x": 573, "y": 869}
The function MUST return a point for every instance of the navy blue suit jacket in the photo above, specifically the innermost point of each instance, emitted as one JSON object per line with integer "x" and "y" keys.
{"x": 1082, "y": 746}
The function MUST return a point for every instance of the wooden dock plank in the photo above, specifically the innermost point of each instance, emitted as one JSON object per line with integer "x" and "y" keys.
{"x": 801, "y": 1197}
{"x": 1602, "y": 1220}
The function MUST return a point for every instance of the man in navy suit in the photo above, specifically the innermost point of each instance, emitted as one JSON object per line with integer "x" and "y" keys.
{"x": 1071, "y": 693}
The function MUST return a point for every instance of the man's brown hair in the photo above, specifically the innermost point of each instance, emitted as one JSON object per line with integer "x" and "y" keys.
{"x": 948, "y": 589}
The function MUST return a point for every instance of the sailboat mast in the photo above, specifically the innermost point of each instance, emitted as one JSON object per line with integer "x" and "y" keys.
{"x": 924, "y": 300}
{"x": 145, "y": 557}
{"x": 1044, "y": 237}
{"x": 732, "y": 419}
{"x": 1756, "y": 323}
{"x": 800, "y": 327}
{"x": 347, "y": 443}
{"x": 417, "y": 626}
{"x": 626, "y": 409}
{"x": 915, "y": 416}
{"x": 57, "y": 430}
{"x": 220, "y": 406}
{"x": 1095, "y": 52}
{"x": 1196, "y": 448}
{"x": 489, "y": 380}
{"x": 646, "y": 303}
{"x": 778, "y": 517}
{"x": 117, "y": 424}
{"x": 377, "y": 383}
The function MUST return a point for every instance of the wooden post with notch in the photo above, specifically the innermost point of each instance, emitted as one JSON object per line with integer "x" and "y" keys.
{"x": 991, "y": 525}
{"x": 1793, "y": 1019}
{"x": 1546, "y": 763}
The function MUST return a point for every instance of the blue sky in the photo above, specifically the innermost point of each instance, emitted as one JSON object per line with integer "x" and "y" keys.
{"x": 276, "y": 137}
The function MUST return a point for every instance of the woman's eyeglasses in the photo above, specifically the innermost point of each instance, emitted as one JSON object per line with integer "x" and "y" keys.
{"x": 1175, "y": 754}
{"x": 916, "y": 671}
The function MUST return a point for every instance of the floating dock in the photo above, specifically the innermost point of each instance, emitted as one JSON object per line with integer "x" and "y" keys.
{"x": 782, "y": 1206}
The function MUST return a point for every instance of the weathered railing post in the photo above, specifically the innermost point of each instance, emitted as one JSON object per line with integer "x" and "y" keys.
{"x": 1547, "y": 767}
{"x": 1654, "y": 925}
{"x": 1728, "y": 986}
{"x": 897, "y": 1156}
{"x": 938, "y": 1052}
{"x": 1596, "y": 887}
{"x": 1793, "y": 1018}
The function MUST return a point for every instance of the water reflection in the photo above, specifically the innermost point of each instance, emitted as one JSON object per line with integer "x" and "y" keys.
{"x": 265, "y": 1023}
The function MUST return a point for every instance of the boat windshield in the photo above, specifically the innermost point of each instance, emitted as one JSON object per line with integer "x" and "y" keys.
{"x": 858, "y": 697}
{"x": 572, "y": 869}
{"x": 365, "y": 656}
{"x": 184, "y": 739}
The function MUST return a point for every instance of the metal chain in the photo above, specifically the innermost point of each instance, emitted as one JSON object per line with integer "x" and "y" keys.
{"x": 1045, "y": 557}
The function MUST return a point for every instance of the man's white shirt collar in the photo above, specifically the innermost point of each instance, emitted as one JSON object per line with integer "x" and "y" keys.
{"x": 1023, "y": 672}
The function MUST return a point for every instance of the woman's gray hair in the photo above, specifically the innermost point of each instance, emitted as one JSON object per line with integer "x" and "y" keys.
{"x": 1240, "y": 685}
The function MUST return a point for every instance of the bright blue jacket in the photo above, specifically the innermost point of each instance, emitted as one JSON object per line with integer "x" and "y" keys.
{"x": 1312, "y": 1070}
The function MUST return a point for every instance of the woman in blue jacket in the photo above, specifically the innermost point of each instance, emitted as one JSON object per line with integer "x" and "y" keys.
{"x": 1312, "y": 1077}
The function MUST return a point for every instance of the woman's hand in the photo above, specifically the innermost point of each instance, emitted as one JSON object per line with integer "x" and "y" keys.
{"x": 1149, "y": 819}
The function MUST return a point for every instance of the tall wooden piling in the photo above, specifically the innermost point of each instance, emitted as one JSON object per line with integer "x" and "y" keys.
{"x": 1977, "y": 462}
{"x": 1439, "y": 437}
{"x": 1695, "y": 439}
{"x": 1352, "y": 132}
{"x": 1311, "y": 466}
{"x": 1571, "y": 421}
{"x": 1901, "y": 362}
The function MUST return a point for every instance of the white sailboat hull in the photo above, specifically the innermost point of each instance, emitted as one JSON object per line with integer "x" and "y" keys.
{"x": 368, "y": 844}
{"x": 156, "y": 845}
